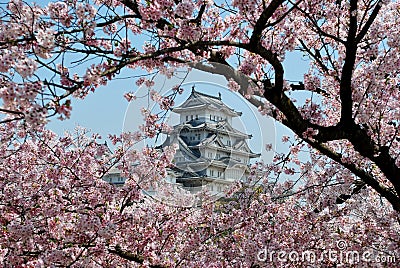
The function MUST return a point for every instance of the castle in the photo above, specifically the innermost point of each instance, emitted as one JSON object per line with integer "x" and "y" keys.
{"x": 211, "y": 152}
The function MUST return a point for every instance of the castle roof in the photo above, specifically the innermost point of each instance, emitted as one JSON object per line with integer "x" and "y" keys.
{"x": 240, "y": 147}
{"x": 191, "y": 150}
{"x": 199, "y": 101}
{"x": 221, "y": 126}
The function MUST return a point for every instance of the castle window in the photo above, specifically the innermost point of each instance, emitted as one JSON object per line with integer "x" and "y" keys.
{"x": 197, "y": 116}
{"x": 210, "y": 116}
{"x": 187, "y": 118}
{"x": 191, "y": 117}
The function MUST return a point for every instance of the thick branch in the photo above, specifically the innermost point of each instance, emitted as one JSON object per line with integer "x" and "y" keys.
{"x": 263, "y": 19}
{"x": 348, "y": 67}
{"x": 132, "y": 5}
{"x": 189, "y": 46}
{"x": 362, "y": 174}
{"x": 380, "y": 155}
{"x": 197, "y": 20}
{"x": 368, "y": 24}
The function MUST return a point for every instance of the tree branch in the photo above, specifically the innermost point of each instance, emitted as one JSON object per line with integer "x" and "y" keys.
{"x": 369, "y": 22}
{"x": 348, "y": 67}
{"x": 362, "y": 174}
{"x": 129, "y": 256}
{"x": 262, "y": 21}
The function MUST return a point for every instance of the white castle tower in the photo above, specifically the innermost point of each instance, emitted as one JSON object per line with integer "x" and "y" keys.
{"x": 210, "y": 150}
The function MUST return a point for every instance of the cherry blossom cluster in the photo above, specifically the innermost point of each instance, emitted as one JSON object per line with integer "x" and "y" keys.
{"x": 65, "y": 214}
{"x": 233, "y": 85}
{"x": 248, "y": 66}
{"x": 59, "y": 11}
{"x": 185, "y": 9}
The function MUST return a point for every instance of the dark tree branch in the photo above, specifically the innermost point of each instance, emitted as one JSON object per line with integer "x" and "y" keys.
{"x": 129, "y": 256}
{"x": 261, "y": 23}
{"x": 362, "y": 174}
{"x": 344, "y": 197}
{"x": 317, "y": 90}
{"x": 197, "y": 20}
{"x": 132, "y": 5}
{"x": 348, "y": 67}
{"x": 10, "y": 111}
{"x": 369, "y": 22}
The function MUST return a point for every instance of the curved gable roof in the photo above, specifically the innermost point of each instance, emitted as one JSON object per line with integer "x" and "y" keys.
{"x": 199, "y": 100}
